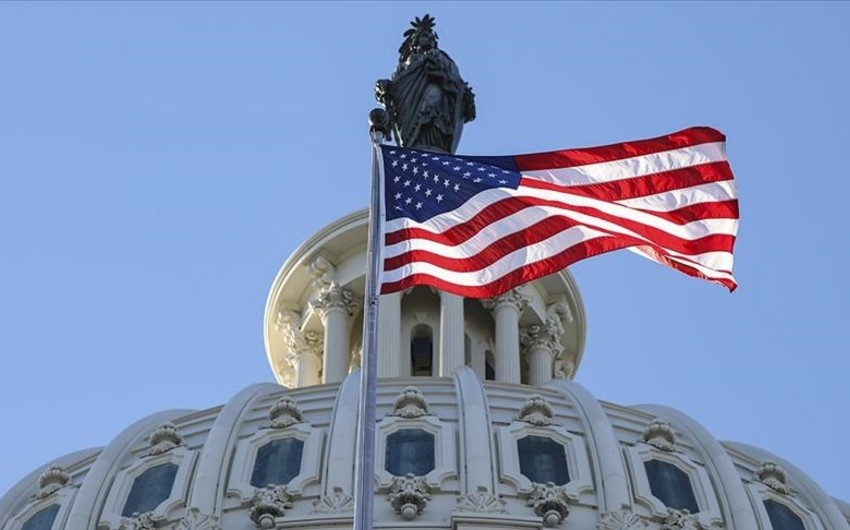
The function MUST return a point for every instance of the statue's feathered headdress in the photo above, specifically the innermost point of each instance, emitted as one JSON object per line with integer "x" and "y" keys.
{"x": 418, "y": 26}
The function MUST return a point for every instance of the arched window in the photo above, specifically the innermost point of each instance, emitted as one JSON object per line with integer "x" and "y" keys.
{"x": 489, "y": 366}
{"x": 542, "y": 460}
{"x": 43, "y": 519}
{"x": 410, "y": 451}
{"x": 277, "y": 462}
{"x": 671, "y": 485}
{"x": 421, "y": 351}
{"x": 781, "y": 517}
{"x": 149, "y": 489}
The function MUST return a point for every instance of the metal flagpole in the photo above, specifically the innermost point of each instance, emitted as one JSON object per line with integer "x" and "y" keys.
{"x": 364, "y": 466}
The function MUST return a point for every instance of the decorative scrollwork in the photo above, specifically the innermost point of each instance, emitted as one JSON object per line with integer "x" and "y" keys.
{"x": 144, "y": 521}
{"x": 284, "y": 413}
{"x": 660, "y": 435}
{"x": 195, "y": 520}
{"x": 52, "y": 480}
{"x": 620, "y": 520}
{"x": 269, "y": 503}
{"x": 536, "y": 411}
{"x": 481, "y": 501}
{"x": 410, "y": 403}
{"x": 549, "y": 502}
{"x": 681, "y": 520}
{"x": 163, "y": 439}
{"x": 773, "y": 476}
{"x": 409, "y": 495}
{"x": 336, "y": 502}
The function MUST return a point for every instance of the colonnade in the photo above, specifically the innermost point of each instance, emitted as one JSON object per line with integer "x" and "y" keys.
{"x": 311, "y": 353}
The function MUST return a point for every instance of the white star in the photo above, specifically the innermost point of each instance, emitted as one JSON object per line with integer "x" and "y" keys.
{"x": 446, "y": 163}
{"x": 418, "y": 205}
{"x": 396, "y": 179}
{"x": 480, "y": 168}
{"x": 428, "y": 192}
{"x": 435, "y": 158}
{"x": 406, "y": 183}
{"x": 425, "y": 173}
{"x": 503, "y": 182}
{"x": 466, "y": 174}
{"x": 404, "y": 167}
{"x": 408, "y": 200}
{"x": 470, "y": 163}
{"x": 457, "y": 187}
{"x": 415, "y": 170}
{"x": 417, "y": 187}
{"x": 446, "y": 183}
{"x": 491, "y": 175}
{"x": 395, "y": 163}
{"x": 413, "y": 160}
{"x": 392, "y": 152}
{"x": 397, "y": 196}
{"x": 436, "y": 178}
{"x": 398, "y": 208}
{"x": 477, "y": 180}
{"x": 456, "y": 168}
{"x": 505, "y": 171}
{"x": 403, "y": 155}
{"x": 439, "y": 198}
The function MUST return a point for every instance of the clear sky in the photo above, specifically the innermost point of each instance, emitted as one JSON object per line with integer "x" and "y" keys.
{"x": 159, "y": 161}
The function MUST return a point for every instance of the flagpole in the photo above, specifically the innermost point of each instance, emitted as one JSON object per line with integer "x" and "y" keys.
{"x": 364, "y": 466}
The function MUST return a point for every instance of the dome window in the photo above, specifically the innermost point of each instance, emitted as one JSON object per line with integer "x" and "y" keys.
{"x": 277, "y": 462}
{"x": 781, "y": 517}
{"x": 43, "y": 519}
{"x": 542, "y": 460}
{"x": 422, "y": 351}
{"x": 671, "y": 485}
{"x": 409, "y": 451}
{"x": 150, "y": 489}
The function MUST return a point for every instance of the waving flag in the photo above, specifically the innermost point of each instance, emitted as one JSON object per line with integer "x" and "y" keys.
{"x": 480, "y": 226}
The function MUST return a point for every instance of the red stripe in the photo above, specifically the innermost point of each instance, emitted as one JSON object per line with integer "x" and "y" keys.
{"x": 634, "y": 187}
{"x": 695, "y": 212}
{"x": 535, "y": 270}
{"x": 593, "y": 155}
{"x": 530, "y": 236}
{"x": 460, "y": 234}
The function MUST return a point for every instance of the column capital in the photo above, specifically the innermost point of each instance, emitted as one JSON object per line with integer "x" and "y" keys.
{"x": 512, "y": 298}
{"x": 546, "y": 335}
{"x": 333, "y": 296}
{"x": 298, "y": 342}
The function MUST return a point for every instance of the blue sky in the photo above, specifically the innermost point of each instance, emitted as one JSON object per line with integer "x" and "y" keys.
{"x": 159, "y": 161}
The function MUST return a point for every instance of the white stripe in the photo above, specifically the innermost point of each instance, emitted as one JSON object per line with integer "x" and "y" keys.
{"x": 527, "y": 217}
{"x": 690, "y": 231}
{"x": 515, "y": 260}
{"x": 526, "y": 255}
{"x": 637, "y": 166}
{"x": 673, "y": 200}
{"x": 707, "y": 272}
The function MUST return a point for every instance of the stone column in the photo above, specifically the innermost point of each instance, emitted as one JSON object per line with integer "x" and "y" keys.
{"x": 389, "y": 335}
{"x": 506, "y": 310}
{"x": 543, "y": 344}
{"x": 303, "y": 350}
{"x": 451, "y": 333}
{"x": 308, "y": 361}
{"x": 335, "y": 306}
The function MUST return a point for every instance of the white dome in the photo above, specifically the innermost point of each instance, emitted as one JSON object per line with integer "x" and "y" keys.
{"x": 476, "y": 479}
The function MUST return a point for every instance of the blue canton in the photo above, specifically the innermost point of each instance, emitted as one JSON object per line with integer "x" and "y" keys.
{"x": 423, "y": 184}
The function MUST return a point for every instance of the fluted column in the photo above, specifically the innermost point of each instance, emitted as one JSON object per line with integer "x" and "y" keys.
{"x": 543, "y": 344}
{"x": 335, "y": 306}
{"x": 451, "y": 333}
{"x": 389, "y": 335}
{"x": 506, "y": 310}
{"x": 307, "y": 364}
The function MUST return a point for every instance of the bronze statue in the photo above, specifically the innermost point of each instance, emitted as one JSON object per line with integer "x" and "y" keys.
{"x": 427, "y": 100}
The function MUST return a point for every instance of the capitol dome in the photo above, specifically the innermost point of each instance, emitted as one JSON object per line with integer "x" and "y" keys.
{"x": 480, "y": 426}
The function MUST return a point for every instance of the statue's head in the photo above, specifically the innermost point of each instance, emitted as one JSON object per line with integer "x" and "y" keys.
{"x": 421, "y": 37}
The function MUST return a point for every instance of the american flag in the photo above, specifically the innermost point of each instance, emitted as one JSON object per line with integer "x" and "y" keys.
{"x": 479, "y": 226}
